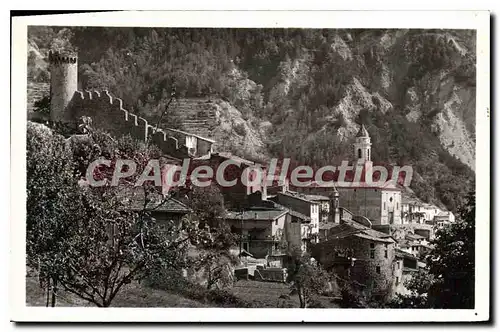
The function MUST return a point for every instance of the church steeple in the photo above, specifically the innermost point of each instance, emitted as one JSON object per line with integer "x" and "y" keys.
{"x": 362, "y": 146}
{"x": 363, "y": 132}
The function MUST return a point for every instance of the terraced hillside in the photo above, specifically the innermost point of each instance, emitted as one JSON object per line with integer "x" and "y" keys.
{"x": 197, "y": 116}
{"x": 217, "y": 119}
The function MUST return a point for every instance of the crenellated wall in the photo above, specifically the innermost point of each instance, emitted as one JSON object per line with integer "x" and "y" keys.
{"x": 108, "y": 114}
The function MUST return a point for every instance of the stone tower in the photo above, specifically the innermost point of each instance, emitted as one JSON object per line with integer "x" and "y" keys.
{"x": 362, "y": 146}
{"x": 63, "y": 83}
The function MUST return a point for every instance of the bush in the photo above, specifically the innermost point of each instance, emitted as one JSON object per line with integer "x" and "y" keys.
{"x": 171, "y": 280}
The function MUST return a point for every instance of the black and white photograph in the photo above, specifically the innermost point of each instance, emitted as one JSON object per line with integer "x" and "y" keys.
{"x": 251, "y": 164}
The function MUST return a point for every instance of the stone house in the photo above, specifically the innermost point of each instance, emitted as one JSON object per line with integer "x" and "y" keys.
{"x": 235, "y": 196}
{"x": 361, "y": 254}
{"x": 302, "y": 207}
{"x": 260, "y": 229}
{"x": 404, "y": 265}
{"x": 443, "y": 218}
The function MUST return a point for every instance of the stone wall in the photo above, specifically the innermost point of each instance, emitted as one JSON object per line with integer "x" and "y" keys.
{"x": 108, "y": 114}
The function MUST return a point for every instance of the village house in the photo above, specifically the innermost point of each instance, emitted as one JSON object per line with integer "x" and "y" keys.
{"x": 162, "y": 209}
{"x": 361, "y": 254}
{"x": 235, "y": 196}
{"x": 443, "y": 218}
{"x": 300, "y": 204}
{"x": 260, "y": 229}
{"x": 405, "y": 265}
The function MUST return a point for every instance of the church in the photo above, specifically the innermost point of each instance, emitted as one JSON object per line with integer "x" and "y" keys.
{"x": 381, "y": 205}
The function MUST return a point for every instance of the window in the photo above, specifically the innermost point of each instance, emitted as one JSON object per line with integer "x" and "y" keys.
{"x": 384, "y": 205}
{"x": 276, "y": 222}
{"x": 359, "y": 153}
{"x": 275, "y": 246}
{"x": 397, "y": 280}
{"x": 390, "y": 199}
{"x": 372, "y": 250}
{"x": 378, "y": 269}
{"x": 397, "y": 206}
{"x": 385, "y": 253}
{"x": 399, "y": 265}
{"x": 245, "y": 246}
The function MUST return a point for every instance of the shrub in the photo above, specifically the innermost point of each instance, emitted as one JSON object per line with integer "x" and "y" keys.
{"x": 171, "y": 280}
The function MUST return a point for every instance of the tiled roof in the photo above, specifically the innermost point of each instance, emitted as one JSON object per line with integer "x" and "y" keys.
{"x": 350, "y": 228}
{"x": 256, "y": 214}
{"x": 133, "y": 199}
{"x": 293, "y": 213}
{"x": 327, "y": 225}
{"x": 296, "y": 195}
{"x": 414, "y": 236}
{"x": 316, "y": 197}
{"x": 403, "y": 254}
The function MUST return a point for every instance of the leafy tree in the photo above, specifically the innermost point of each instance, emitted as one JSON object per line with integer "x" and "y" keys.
{"x": 50, "y": 194}
{"x": 86, "y": 240}
{"x": 306, "y": 277}
{"x": 451, "y": 262}
{"x": 448, "y": 281}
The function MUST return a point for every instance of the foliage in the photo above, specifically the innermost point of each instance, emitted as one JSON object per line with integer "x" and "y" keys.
{"x": 307, "y": 278}
{"x": 448, "y": 281}
{"x": 172, "y": 280}
{"x": 451, "y": 262}
{"x": 84, "y": 239}
{"x": 49, "y": 201}
{"x": 351, "y": 296}
{"x": 42, "y": 105}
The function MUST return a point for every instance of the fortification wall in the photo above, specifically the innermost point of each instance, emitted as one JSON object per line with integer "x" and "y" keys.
{"x": 108, "y": 114}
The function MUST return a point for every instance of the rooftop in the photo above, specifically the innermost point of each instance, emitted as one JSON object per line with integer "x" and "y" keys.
{"x": 297, "y": 195}
{"x": 256, "y": 213}
{"x": 351, "y": 228}
{"x": 403, "y": 254}
{"x": 133, "y": 199}
{"x": 230, "y": 156}
{"x": 414, "y": 237}
{"x": 311, "y": 197}
{"x": 362, "y": 132}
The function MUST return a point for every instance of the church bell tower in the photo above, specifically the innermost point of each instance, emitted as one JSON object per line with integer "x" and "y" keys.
{"x": 362, "y": 146}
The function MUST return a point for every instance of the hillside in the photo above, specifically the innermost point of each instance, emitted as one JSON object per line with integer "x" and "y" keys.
{"x": 298, "y": 93}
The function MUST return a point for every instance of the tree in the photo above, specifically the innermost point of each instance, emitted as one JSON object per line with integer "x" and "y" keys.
{"x": 418, "y": 285}
{"x": 86, "y": 240}
{"x": 50, "y": 194}
{"x": 207, "y": 204}
{"x": 306, "y": 278}
{"x": 448, "y": 281}
{"x": 451, "y": 262}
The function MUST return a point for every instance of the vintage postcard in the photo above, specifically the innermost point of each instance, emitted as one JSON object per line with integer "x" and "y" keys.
{"x": 210, "y": 166}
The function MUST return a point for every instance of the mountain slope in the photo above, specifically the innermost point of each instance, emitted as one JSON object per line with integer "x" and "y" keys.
{"x": 301, "y": 93}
